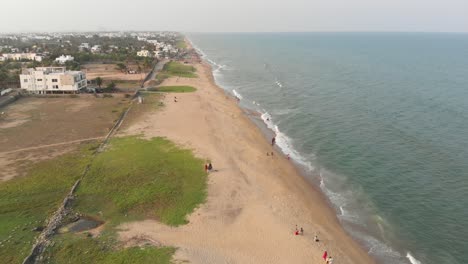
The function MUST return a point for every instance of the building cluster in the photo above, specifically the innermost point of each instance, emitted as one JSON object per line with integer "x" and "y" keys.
{"x": 21, "y": 57}
{"x": 57, "y": 49}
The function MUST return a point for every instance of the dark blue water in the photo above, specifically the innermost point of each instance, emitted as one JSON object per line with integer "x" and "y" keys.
{"x": 380, "y": 122}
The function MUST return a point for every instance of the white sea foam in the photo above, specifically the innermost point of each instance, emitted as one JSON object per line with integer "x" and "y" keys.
{"x": 237, "y": 94}
{"x": 412, "y": 259}
{"x": 285, "y": 143}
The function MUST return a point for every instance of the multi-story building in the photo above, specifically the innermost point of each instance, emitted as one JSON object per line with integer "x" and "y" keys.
{"x": 43, "y": 80}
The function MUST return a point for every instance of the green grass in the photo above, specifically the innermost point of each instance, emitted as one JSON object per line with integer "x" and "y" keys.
{"x": 27, "y": 202}
{"x": 181, "y": 44}
{"x": 138, "y": 179}
{"x": 174, "y": 68}
{"x": 175, "y": 89}
{"x": 133, "y": 179}
{"x": 72, "y": 248}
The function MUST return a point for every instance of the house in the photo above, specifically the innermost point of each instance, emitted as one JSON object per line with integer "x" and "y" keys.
{"x": 83, "y": 46}
{"x": 63, "y": 59}
{"x": 144, "y": 53}
{"x": 96, "y": 49}
{"x": 43, "y": 80}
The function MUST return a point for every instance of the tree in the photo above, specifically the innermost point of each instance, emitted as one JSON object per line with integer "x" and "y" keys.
{"x": 98, "y": 81}
{"x": 122, "y": 67}
{"x": 111, "y": 86}
{"x": 147, "y": 63}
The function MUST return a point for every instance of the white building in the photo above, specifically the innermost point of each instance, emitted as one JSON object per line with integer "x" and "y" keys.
{"x": 96, "y": 49}
{"x": 44, "y": 80}
{"x": 83, "y": 46}
{"x": 22, "y": 56}
{"x": 63, "y": 59}
{"x": 144, "y": 53}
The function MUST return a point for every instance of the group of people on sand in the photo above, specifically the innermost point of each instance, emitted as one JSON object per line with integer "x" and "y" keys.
{"x": 208, "y": 167}
{"x": 328, "y": 258}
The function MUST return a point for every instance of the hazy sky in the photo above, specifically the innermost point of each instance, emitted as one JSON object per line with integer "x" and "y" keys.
{"x": 235, "y": 15}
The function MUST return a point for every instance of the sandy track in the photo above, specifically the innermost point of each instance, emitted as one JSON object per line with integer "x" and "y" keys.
{"x": 52, "y": 145}
{"x": 254, "y": 201}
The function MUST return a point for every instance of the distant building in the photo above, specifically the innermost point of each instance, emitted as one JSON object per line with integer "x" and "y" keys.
{"x": 22, "y": 56}
{"x": 83, "y": 46}
{"x": 96, "y": 49}
{"x": 63, "y": 59}
{"x": 44, "y": 80}
{"x": 144, "y": 53}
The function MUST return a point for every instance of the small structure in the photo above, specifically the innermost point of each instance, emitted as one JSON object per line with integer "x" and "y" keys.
{"x": 96, "y": 49}
{"x": 144, "y": 53}
{"x": 63, "y": 59}
{"x": 43, "y": 80}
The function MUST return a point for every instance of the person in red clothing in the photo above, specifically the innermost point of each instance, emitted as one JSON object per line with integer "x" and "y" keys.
{"x": 325, "y": 254}
{"x": 206, "y": 167}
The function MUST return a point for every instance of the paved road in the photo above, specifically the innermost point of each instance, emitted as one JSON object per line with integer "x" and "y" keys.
{"x": 157, "y": 68}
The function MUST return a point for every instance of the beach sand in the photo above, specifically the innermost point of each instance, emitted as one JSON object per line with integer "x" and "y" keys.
{"x": 254, "y": 200}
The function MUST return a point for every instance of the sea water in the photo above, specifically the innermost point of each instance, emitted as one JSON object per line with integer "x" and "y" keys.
{"x": 378, "y": 120}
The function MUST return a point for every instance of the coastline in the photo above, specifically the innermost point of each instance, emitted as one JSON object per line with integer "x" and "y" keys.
{"x": 254, "y": 201}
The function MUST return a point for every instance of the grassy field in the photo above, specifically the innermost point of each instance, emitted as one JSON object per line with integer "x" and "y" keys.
{"x": 175, "y": 89}
{"x": 174, "y": 68}
{"x": 134, "y": 179}
{"x": 73, "y": 248}
{"x": 26, "y": 202}
{"x": 181, "y": 44}
{"x": 139, "y": 179}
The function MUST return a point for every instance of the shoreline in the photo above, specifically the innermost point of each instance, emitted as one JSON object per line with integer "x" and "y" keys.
{"x": 300, "y": 169}
{"x": 254, "y": 201}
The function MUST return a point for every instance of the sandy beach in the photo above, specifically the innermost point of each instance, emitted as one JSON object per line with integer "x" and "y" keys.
{"x": 254, "y": 201}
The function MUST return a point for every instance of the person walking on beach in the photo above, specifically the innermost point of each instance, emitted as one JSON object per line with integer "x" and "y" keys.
{"x": 273, "y": 141}
{"x": 206, "y": 167}
{"x": 210, "y": 167}
{"x": 302, "y": 231}
{"x": 325, "y": 255}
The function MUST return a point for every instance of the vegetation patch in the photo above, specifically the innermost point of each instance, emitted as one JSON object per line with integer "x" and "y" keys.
{"x": 136, "y": 179}
{"x": 27, "y": 202}
{"x": 180, "y": 44}
{"x": 83, "y": 249}
{"x": 174, "y": 68}
{"x": 175, "y": 89}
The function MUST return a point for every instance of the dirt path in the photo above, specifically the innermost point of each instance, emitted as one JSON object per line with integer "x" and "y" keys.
{"x": 52, "y": 145}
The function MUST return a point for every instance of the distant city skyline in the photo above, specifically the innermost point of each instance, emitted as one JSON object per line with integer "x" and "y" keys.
{"x": 235, "y": 16}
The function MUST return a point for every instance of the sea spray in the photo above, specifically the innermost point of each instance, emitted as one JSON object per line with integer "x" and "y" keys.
{"x": 412, "y": 259}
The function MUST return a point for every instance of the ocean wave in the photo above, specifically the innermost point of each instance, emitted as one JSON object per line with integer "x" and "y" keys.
{"x": 285, "y": 143}
{"x": 237, "y": 94}
{"x": 412, "y": 259}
